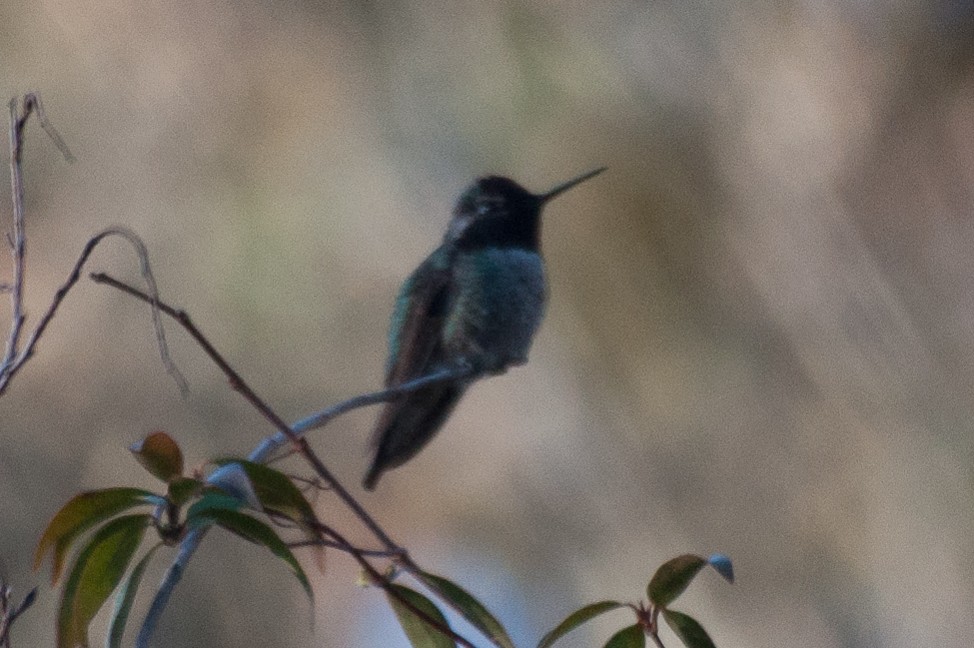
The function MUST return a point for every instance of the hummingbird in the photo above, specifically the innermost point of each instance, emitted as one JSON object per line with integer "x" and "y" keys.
{"x": 475, "y": 303}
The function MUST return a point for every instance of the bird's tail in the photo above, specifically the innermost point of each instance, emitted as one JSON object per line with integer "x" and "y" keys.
{"x": 407, "y": 424}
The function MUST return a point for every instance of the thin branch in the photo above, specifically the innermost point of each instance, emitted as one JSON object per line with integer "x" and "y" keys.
{"x": 332, "y": 544}
{"x": 321, "y": 418}
{"x": 650, "y": 624}
{"x": 9, "y": 614}
{"x": 172, "y": 577}
{"x": 8, "y": 370}
{"x": 48, "y": 127}
{"x": 18, "y": 239}
{"x": 15, "y": 358}
{"x": 382, "y": 581}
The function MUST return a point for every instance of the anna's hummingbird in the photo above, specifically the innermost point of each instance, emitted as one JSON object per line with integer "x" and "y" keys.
{"x": 475, "y": 302}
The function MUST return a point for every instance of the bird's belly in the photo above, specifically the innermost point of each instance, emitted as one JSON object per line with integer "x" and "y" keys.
{"x": 499, "y": 306}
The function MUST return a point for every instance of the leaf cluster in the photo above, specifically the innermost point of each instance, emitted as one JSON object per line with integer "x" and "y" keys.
{"x": 229, "y": 498}
{"x": 666, "y": 585}
{"x": 105, "y": 529}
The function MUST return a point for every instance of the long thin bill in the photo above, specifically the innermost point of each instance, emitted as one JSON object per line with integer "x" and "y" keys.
{"x": 562, "y": 188}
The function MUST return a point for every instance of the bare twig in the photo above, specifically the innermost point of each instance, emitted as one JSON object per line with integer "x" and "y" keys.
{"x": 9, "y": 369}
{"x": 14, "y": 358}
{"x": 172, "y": 577}
{"x": 9, "y": 613}
{"x": 18, "y": 239}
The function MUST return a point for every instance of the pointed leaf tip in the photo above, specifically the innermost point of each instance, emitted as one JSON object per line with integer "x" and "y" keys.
{"x": 722, "y": 564}
{"x": 96, "y": 573}
{"x": 673, "y": 576}
{"x": 419, "y": 632}
{"x": 472, "y": 610}
{"x": 690, "y": 632}
{"x": 82, "y": 512}
{"x": 251, "y": 529}
{"x": 577, "y": 618}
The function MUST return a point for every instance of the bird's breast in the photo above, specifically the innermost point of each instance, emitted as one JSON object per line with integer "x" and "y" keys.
{"x": 498, "y": 304}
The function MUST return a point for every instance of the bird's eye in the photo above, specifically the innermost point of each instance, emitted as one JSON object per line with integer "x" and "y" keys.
{"x": 483, "y": 208}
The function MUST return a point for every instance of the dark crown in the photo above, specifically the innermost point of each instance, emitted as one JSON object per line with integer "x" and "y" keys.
{"x": 495, "y": 212}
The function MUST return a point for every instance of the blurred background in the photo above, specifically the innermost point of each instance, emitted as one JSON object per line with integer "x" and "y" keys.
{"x": 760, "y": 338}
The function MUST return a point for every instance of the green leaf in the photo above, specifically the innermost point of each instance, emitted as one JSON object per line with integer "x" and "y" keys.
{"x": 419, "y": 632}
{"x": 214, "y": 499}
{"x": 183, "y": 489}
{"x": 577, "y": 618}
{"x": 631, "y": 637}
{"x": 471, "y": 609}
{"x": 253, "y": 530}
{"x": 688, "y": 630}
{"x": 96, "y": 573}
{"x": 160, "y": 455}
{"x": 124, "y": 600}
{"x": 672, "y": 578}
{"x": 81, "y": 513}
{"x": 274, "y": 490}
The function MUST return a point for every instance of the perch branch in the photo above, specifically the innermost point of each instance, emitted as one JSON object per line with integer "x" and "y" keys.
{"x": 285, "y": 434}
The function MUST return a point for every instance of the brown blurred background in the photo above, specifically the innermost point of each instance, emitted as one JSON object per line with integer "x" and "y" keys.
{"x": 761, "y": 324}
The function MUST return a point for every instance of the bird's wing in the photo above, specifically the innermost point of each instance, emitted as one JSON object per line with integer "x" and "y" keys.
{"x": 408, "y": 422}
{"x": 417, "y": 321}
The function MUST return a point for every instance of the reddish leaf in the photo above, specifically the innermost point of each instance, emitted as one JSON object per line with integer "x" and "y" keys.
{"x": 160, "y": 455}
